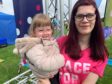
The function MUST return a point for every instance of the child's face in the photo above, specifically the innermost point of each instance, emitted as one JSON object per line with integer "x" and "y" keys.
{"x": 43, "y": 32}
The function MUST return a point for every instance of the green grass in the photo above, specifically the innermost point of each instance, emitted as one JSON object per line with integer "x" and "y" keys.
{"x": 109, "y": 46}
{"x": 9, "y": 68}
{"x": 107, "y": 79}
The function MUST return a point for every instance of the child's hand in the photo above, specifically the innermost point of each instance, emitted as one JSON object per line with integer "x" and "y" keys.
{"x": 44, "y": 81}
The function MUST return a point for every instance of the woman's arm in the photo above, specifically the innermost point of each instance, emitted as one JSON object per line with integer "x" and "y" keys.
{"x": 91, "y": 78}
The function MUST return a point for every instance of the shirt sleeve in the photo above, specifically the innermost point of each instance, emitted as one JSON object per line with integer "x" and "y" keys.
{"x": 100, "y": 67}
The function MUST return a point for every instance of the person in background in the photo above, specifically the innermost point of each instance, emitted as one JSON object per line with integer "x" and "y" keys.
{"x": 83, "y": 48}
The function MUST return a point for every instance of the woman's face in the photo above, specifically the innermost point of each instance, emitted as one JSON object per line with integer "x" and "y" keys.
{"x": 85, "y": 19}
{"x": 43, "y": 32}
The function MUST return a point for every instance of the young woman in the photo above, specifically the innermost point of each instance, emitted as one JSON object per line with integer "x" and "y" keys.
{"x": 83, "y": 48}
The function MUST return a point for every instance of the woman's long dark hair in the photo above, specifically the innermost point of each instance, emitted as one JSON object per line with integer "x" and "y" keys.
{"x": 96, "y": 43}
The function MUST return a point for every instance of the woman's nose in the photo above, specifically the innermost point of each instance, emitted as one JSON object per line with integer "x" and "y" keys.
{"x": 85, "y": 19}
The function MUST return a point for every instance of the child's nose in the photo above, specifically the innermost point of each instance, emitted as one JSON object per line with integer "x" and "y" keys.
{"x": 45, "y": 33}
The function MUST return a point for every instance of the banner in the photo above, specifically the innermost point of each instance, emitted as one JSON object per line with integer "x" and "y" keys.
{"x": 7, "y": 27}
{"x": 24, "y": 11}
{"x": 0, "y": 1}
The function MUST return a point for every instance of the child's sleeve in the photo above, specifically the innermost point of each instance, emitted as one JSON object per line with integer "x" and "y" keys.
{"x": 46, "y": 56}
{"x": 25, "y": 43}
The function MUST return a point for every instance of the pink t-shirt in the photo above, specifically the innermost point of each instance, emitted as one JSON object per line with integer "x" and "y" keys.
{"x": 75, "y": 71}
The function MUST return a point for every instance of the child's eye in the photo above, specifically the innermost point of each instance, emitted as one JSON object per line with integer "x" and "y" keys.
{"x": 48, "y": 29}
{"x": 41, "y": 30}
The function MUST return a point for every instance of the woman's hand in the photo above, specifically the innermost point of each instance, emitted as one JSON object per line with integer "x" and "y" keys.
{"x": 44, "y": 81}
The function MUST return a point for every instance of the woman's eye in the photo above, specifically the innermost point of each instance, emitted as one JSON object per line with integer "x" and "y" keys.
{"x": 79, "y": 16}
